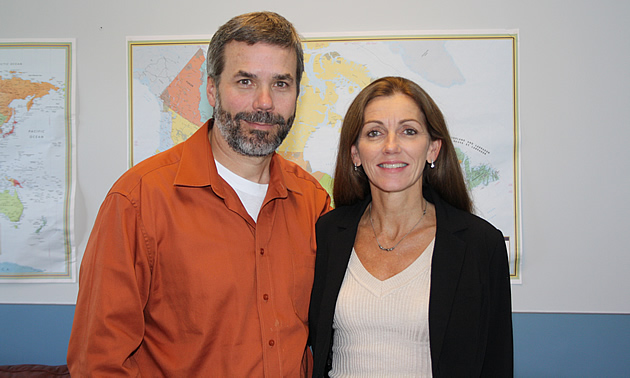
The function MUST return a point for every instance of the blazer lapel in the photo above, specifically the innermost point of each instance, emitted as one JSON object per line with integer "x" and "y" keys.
{"x": 448, "y": 257}
{"x": 339, "y": 248}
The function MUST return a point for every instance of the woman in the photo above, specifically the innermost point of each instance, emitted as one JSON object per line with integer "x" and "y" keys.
{"x": 407, "y": 281}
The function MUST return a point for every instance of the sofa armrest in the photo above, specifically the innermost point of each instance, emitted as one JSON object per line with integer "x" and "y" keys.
{"x": 36, "y": 371}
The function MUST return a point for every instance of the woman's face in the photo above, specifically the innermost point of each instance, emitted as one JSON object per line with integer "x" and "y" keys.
{"x": 394, "y": 144}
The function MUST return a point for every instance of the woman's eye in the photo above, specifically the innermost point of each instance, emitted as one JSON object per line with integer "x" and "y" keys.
{"x": 410, "y": 132}
{"x": 373, "y": 133}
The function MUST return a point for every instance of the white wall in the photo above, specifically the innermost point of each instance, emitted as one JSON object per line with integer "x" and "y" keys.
{"x": 574, "y": 117}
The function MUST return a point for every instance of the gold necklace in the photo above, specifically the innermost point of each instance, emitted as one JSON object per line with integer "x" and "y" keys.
{"x": 424, "y": 212}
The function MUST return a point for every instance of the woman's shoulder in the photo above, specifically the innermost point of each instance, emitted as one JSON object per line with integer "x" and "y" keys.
{"x": 477, "y": 221}
{"x": 346, "y": 214}
{"x": 473, "y": 222}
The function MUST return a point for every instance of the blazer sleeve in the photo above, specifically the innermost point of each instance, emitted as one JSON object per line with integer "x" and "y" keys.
{"x": 499, "y": 356}
{"x": 321, "y": 261}
{"x": 319, "y": 338}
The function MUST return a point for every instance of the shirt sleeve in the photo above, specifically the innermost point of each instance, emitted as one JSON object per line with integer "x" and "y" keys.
{"x": 114, "y": 284}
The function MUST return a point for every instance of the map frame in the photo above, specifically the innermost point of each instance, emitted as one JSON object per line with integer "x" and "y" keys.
{"x": 514, "y": 244}
{"x": 69, "y": 273}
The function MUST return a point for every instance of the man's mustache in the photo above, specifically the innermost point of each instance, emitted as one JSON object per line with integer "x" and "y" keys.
{"x": 261, "y": 117}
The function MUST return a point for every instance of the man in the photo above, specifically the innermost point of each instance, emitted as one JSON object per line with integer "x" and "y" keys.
{"x": 201, "y": 259}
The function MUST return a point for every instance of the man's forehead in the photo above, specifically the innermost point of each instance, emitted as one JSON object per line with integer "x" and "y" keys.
{"x": 258, "y": 55}
{"x": 235, "y": 44}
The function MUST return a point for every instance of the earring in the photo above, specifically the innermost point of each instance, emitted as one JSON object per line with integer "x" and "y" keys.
{"x": 432, "y": 164}
{"x": 356, "y": 168}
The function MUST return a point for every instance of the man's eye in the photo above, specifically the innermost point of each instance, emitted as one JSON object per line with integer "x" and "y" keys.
{"x": 282, "y": 84}
{"x": 245, "y": 81}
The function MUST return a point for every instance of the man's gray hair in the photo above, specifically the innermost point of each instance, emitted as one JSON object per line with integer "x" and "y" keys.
{"x": 251, "y": 28}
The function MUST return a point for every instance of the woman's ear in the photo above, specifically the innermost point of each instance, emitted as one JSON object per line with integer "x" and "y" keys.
{"x": 434, "y": 150}
{"x": 354, "y": 152}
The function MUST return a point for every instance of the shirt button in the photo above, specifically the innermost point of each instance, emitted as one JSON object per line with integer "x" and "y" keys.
{"x": 266, "y": 297}
{"x": 262, "y": 251}
{"x": 272, "y": 343}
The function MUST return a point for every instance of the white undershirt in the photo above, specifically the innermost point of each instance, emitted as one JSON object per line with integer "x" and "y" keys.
{"x": 382, "y": 327}
{"x": 251, "y": 194}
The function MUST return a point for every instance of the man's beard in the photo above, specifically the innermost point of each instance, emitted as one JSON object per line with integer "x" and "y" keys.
{"x": 253, "y": 142}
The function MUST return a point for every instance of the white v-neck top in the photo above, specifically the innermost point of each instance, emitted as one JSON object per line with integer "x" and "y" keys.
{"x": 382, "y": 327}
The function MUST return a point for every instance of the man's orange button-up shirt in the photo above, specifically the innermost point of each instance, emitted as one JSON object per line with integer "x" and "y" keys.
{"x": 178, "y": 280}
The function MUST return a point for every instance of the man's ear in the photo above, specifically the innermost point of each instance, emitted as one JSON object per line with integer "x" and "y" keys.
{"x": 211, "y": 92}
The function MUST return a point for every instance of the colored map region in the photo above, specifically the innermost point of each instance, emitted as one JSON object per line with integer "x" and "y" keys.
{"x": 479, "y": 175}
{"x": 317, "y": 106}
{"x": 15, "y": 88}
{"x": 11, "y": 206}
{"x": 168, "y": 92}
{"x": 182, "y": 98}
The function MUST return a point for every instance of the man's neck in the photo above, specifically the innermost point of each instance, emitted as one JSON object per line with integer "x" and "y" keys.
{"x": 251, "y": 168}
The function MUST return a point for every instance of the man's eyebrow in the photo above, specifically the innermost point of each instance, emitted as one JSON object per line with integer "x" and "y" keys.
{"x": 286, "y": 77}
{"x": 248, "y": 75}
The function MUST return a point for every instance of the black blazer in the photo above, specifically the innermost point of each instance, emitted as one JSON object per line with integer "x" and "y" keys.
{"x": 470, "y": 318}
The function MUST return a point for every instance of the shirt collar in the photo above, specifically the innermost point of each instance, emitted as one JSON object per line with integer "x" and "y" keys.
{"x": 197, "y": 167}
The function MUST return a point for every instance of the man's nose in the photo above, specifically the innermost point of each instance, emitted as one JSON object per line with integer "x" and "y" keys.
{"x": 263, "y": 100}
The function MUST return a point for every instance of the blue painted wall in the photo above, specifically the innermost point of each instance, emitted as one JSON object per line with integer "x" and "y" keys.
{"x": 558, "y": 345}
